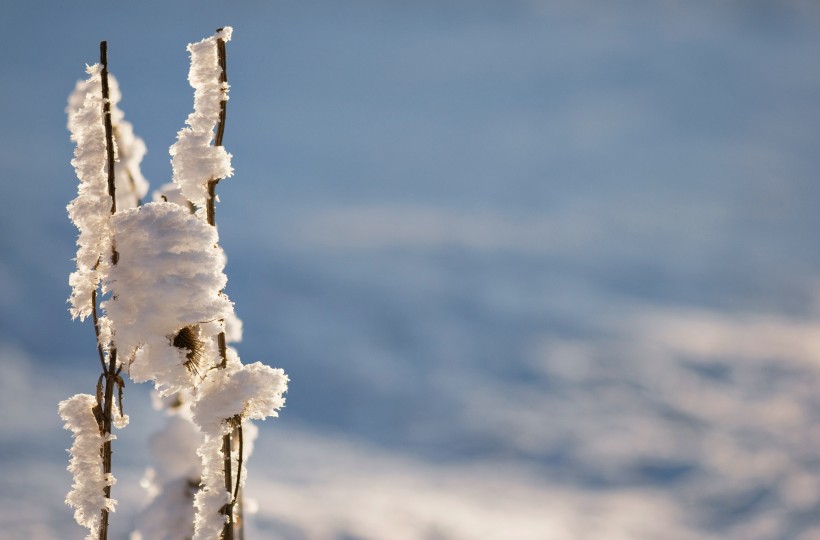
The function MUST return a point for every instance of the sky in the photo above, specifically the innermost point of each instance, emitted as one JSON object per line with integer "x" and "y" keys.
{"x": 542, "y": 269}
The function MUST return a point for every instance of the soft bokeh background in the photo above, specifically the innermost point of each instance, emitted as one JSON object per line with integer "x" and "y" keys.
{"x": 537, "y": 270}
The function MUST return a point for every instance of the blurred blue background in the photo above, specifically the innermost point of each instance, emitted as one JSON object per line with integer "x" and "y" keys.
{"x": 536, "y": 269}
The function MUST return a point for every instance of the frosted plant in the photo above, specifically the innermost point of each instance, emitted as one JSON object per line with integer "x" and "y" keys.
{"x": 174, "y": 481}
{"x": 165, "y": 317}
{"x": 233, "y": 393}
{"x": 89, "y": 120}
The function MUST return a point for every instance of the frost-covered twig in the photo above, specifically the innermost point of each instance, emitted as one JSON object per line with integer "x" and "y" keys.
{"x": 87, "y": 493}
{"x": 233, "y": 392}
{"x": 227, "y": 445}
{"x": 198, "y": 167}
{"x": 111, "y": 374}
{"x": 225, "y": 399}
{"x": 92, "y": 114}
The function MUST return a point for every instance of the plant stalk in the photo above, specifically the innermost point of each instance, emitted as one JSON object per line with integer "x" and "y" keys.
{"x": 110, "y": 372}
{"x": 227, "y": 446}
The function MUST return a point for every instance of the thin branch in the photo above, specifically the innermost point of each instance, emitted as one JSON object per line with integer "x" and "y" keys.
{"x": 97, "y": 326}
{"x": 222, "y": 55}
{"x": 110, "y": 371}
{"x": 223, "y": 80}
{"x": 228, "y": 530}
{"x": 238, "y": 431}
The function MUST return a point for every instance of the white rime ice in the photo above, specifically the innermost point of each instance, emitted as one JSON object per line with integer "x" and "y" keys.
{"x": 195, "y": 160}
{"x": 238, "y": 392}
{"x": 250, "y": 392}
{"x": 131, "y": 185}
{"x": 227, "y": 396}
{"x": 169, "y": 276}
{"x": 86, "y": 495}
{"x": 91, "y": 210}
{"x": 212, "y": 496}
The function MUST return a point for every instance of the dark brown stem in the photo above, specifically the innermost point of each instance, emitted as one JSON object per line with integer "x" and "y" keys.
{"x": 110, "y": 371}
{"x": 109, "y": 130}
{"x": 210, "y": 204}
{"x": 97, "y": 327}
{"x": 237, "y": 494}
{"x": 228, "y": 530}
{"x": 238, "y": 432}
{"x": 223, "y": 80}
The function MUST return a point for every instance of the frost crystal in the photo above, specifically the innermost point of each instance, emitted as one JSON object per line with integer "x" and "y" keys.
{"x": 91, "y": 210}
{"x": 169, "y": 277}
{"x": 226, "y": 397}
{"x": 254, "y": 391}
{"x": 194, "y": 159}
{"x": 86, "y": 496}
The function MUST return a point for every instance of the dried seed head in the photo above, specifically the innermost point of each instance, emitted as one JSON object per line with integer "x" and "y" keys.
{"x": 188, "y": 338}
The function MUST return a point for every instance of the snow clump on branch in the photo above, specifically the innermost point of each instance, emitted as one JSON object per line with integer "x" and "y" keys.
{"x": 91, "y": 210}
{"x": 242, "y": 392}
{"x": 195, "y": 160}
{"x": 87, "y": 496}
{"x": 168, "y": 280}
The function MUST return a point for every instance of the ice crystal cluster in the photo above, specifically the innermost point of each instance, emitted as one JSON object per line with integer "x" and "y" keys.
{"x": 169, "y": 277}
{"x": 163, "y": 310}
{"x": 87, "y": 494}
{"x": 90, "y": 211}
{"x": 194, "y": 159}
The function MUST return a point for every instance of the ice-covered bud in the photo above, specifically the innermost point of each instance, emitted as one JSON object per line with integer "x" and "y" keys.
{"x": 168, "y": 280}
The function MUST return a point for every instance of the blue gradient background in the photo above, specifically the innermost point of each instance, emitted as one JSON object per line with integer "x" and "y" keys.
{"x": 573, "y": 239}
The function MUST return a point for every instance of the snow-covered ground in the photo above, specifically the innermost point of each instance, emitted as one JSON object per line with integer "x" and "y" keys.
{"x": 535, "y": 271}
